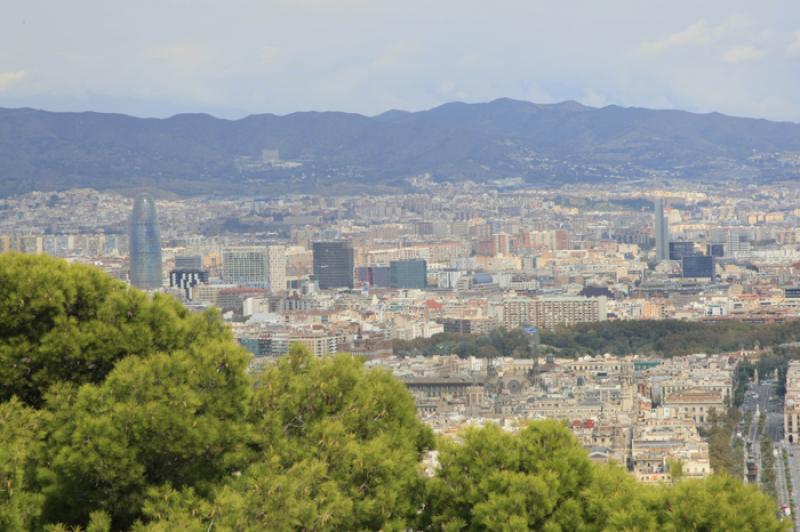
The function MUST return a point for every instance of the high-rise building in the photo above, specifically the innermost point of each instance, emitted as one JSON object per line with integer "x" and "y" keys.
{"x": 145, "y": 245}
{"x": 255, "y": 266}
{"x": 698, "y": 266}
{"x": 378, "y": 276}
{"x": 408, "y": 274}
{"x": 680, "y": 249}
{"x": 245, "y": 266}
{"x": 715, "y": 250}
{"x": 276, "y": 268}
{"x": 333, "y": 264}
{"x": 188, "y": 262}
{"x": 517, "y": 311}
{"x": 551, "y": 312}
{"x": 662, "y": 231}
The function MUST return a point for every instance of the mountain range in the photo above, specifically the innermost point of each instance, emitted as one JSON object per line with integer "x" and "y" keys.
{"x": 264, "y": 154}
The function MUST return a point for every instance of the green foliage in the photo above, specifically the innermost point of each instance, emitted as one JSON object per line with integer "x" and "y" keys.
{"x": 61, "y": 322}
{"x": 540, "y": 479}
{"x": 767, "y": 466}
{"x": 675, "y": 470}
{"x": 498, "y": 342}
{"x": 656, "y": 337}
{"x": 340, "y": 449}
{"x": 21, "y": 432}
{"x": 667, "y": 337}
{"x": 175, "y": 418}
{"x": 743, "y": 374}
{"x": 716, "y": 503}
{"x": 357, "y": 428}
{"x": 496, "y": 480}
{"x": 722, "y": 453}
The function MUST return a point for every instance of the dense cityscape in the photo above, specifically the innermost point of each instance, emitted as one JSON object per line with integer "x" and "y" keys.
{"x": 402, "y": 280}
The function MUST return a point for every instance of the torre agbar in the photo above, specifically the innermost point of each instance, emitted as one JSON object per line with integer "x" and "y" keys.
{"x": 145, "y": 245}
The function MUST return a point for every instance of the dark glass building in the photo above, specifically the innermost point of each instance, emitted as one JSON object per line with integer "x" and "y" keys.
{"x": 333, "y": 264}
{"x": 408, "y": 274}
{"x": 716, "y": 250}
{"x": 145, "y": 245}
{"x": 373, "y": 275}
{"x": 698, "y": 266}
{"x": 680, "y": 249}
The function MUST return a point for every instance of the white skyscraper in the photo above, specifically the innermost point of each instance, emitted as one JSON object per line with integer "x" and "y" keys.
{"x": 256, "y": 266}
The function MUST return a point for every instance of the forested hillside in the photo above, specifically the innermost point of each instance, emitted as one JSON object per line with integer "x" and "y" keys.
{"x": 535, "y": 143}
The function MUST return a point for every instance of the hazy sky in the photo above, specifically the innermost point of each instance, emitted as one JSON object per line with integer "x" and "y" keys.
{"x": 235, "y": 57}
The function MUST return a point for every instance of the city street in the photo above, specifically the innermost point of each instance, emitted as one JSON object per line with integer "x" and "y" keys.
{"x": 761, "y": 400}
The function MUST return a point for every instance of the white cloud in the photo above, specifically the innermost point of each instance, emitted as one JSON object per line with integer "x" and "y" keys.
{"x": 696, "y": 34}
{"x": 742, "y": 54}
{"x": 9, "y": 78}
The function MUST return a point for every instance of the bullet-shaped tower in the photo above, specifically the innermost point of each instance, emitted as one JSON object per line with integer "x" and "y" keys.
{"x": 145, "y": 244}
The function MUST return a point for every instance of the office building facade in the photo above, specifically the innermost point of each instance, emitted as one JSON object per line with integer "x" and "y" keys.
{"x": 552, "y": 312}
{"x": 188, "y": 262}
{"x": 145, "y": 244}
{"x": 378, "y": 276}
{"x": 679, "y": 250}
{"x": 333, "y": 264}
{"x": 715, "y": 250}
{"x": 255, "y": 266}
{"x": 698, "y": 266}
{"x": 408, "y": 274}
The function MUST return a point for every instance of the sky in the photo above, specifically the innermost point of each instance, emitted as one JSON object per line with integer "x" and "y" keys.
{"x": 237, "y": 57}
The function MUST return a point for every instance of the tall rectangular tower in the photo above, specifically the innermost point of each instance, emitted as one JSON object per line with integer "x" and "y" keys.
{"x": 276, "y": 268}
{"x": 246, "y": 266}
{"x": 408, "y": 273}
{"x": 255, "y": 266}
{"x": 333, "y": 264}
{"x": 662, "y": 231}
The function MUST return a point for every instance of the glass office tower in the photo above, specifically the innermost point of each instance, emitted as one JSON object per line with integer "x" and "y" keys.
{"x": 408, "y": 274}
{"x": 333, "y": 264}
{"x": 145, "y": 244}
